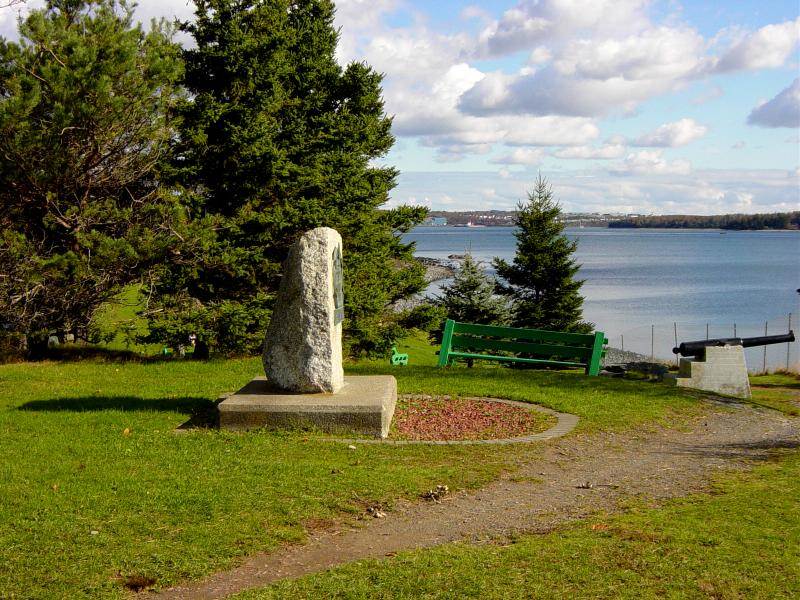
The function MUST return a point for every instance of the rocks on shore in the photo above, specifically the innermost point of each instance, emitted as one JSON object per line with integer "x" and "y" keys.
{"x": 620, "y": 362}
{"x": 436, "y": 269}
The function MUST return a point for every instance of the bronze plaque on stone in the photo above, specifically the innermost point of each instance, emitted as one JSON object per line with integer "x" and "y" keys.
{"x": 338, "y": 294}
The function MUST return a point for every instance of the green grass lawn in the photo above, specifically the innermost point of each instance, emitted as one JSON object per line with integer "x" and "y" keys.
{"x": 82, "y": 501}
{"x": 780, "y": 391}
{"x": 741, "y": 541}
{"x": 119, "y": 319}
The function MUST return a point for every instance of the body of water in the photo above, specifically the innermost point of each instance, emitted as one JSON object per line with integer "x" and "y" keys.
{"x": 641, "y": 283}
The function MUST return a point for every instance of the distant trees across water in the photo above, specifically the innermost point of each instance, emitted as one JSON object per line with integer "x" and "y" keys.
{"x": 789, "y": 220}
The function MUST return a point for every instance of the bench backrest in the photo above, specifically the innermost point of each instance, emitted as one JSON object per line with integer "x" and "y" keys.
{"x": 585, "y": 349}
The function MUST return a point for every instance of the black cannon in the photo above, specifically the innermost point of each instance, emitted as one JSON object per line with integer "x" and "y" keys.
{"x": 696, "y": 349}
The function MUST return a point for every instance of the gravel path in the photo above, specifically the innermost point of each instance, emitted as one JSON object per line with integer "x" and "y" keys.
{"x": 572, "y": 478}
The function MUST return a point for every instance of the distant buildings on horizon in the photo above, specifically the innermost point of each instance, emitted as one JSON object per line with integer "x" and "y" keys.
{"x": 502, "y": 218}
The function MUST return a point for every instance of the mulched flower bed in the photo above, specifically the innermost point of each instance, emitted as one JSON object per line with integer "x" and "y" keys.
{"x": 432, "y": 418}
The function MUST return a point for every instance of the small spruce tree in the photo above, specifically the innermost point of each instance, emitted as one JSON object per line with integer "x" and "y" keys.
{"x": 471, "y": 297}
{"x": 541, "y": 279}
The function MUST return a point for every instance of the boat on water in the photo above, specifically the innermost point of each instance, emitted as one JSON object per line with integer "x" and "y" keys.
{"x": 469, "y": 224}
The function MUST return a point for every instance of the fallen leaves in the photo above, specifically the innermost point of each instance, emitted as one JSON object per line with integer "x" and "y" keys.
{"x": 445, "y": 418}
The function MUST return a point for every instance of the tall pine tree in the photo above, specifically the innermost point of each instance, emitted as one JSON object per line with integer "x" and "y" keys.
{"x": 85, "y": 103}
{"x": 277, "y": 139}
{"x": 541, "y": 279}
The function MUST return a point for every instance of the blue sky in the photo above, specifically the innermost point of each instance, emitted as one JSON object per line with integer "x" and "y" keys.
{"x": 625, "y": 105}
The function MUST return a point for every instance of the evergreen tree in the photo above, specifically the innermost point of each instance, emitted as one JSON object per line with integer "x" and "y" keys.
{"x": 541, "y": 279}
{"x": 471, "y": 297}
{"x": 277, "y": 139}
{"x": 84, "y": 102}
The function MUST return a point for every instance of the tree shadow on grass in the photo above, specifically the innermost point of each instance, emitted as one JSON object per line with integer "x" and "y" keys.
{"x": 90, "y": 352}
{"x": 776, "y": 386}
{"x": 760, "y": 450}
{"x": 202, "y": 411}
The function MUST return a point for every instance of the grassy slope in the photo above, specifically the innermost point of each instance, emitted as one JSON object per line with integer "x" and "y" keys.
{"x": 120, "y": 319}
{"x": 165, "y": 505}
{"x": 743, "y": 541}
{"x": 179, "y": 506}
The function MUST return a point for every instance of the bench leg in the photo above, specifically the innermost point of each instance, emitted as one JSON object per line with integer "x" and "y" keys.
{"x": 447, "y": 339}
{"x": 593, "y": 368}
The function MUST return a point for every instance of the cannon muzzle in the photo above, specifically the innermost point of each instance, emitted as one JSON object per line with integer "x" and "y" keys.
{"x": 697, "y": 348}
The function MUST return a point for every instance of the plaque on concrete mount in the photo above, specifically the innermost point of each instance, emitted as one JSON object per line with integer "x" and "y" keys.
{"x": 305, "y": 385}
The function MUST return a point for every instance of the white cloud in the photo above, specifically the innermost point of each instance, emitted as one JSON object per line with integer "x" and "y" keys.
{"x": 769, "y": 47}
{"x": 547, "y": 131}
{"x": 363, "y": 14}
{"x": 782, "y": 111}
{"x": 540, "y": 55}
{"x": 593, "y": 76}
{"x": 603, "y": 57}
{"x": 657, "y": 53}
{"x": 457, "y": 136}
{"x": 672, "y": 135}
{"x": 578, "y": 61}
{"x": 605, "y": 152}
{"x": 699, "y": 192}
{"x": 532, "y": 22}
{"x": 651, "y": 162}
{"x": 521, "y": 156}
{"x": 547, "y": 92}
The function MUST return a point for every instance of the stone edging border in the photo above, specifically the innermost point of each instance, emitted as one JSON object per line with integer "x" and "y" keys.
{"x": 566, "y": 423}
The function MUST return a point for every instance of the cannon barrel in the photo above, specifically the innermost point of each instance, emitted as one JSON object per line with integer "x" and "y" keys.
{"x": 697, "y": 348}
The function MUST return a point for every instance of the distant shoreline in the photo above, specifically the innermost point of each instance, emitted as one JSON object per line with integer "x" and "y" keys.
{"x": 605, "y": 226}
{"x": 788, "y": 221}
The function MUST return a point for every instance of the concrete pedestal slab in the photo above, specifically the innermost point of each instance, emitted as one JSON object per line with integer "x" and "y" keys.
{"x": 364, "y": 405}
{"x": 721, "y": 369}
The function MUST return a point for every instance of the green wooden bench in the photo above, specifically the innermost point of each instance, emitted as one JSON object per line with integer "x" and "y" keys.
{"x": 468, "y": 341}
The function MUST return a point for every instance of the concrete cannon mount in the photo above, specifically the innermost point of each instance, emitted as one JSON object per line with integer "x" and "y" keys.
{"x": 721, "y": 370}
{"x": 364, "y": 406}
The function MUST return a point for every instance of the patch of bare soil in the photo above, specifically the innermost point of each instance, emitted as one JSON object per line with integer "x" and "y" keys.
{"x": 571, "y": 478}
{"x": 423, "y": 417}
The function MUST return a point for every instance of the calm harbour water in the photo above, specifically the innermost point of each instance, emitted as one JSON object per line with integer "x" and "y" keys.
{"x": 639, "y": 278}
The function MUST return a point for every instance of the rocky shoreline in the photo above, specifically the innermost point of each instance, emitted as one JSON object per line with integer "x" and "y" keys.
{"x": 437, "y": 269}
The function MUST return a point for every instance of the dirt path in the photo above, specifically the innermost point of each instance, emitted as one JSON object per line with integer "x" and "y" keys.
{"x": 574, "y": 477}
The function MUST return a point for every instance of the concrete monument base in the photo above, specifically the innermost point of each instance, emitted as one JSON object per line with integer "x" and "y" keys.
{"x": 364, "y": 405}
{"x": 721, "y": 370}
